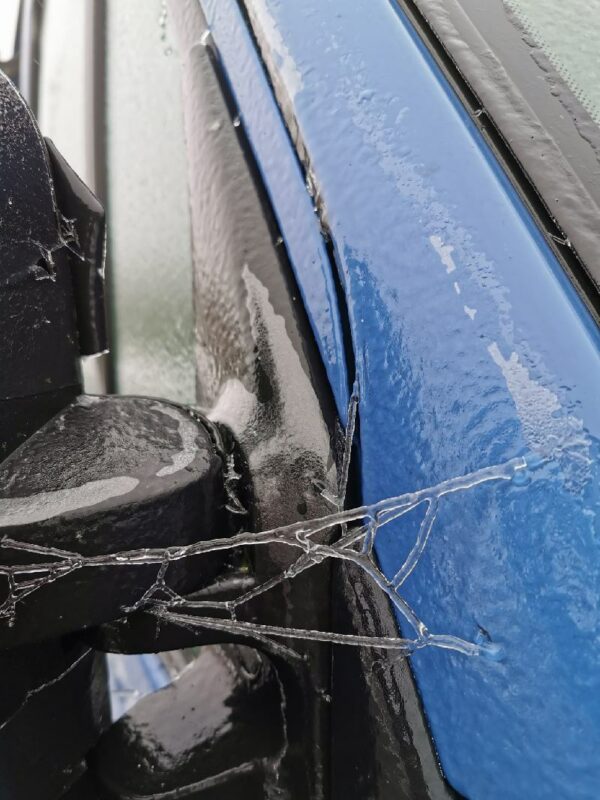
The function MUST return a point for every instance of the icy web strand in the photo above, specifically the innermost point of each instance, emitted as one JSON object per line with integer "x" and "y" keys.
{"x": 359, "y": 528}
{"x": 356, "y": 528}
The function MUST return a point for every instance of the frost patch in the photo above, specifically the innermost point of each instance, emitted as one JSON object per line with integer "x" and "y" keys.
{"x": 547, "y": 429}
{"x": 187, "y": 434}
{"x": 284, "y": 61}
{"x": 444, "y": 251}
{"x": 45, "y": 505}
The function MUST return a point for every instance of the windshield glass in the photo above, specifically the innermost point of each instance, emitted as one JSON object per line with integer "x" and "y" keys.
{"x": 569, "y": 35}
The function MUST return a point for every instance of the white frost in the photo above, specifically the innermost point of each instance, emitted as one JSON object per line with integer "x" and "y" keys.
{"x": 547, "y": 428}
{"x": 187, "y": 432}
{"x": 45, "y": 505}
{"x": 444, "y": 251}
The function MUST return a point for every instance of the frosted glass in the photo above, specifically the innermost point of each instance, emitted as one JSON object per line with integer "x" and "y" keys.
{"x": 568, "y": 31}
{"x": 148, "y": 217}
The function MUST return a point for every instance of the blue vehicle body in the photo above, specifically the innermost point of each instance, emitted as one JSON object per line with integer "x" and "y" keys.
{"x": 471, "y": 348}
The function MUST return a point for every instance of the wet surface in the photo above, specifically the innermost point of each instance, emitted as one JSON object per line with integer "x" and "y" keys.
{"x": 106, "y": 473}
{"x": 288, "y": 187}
{"x": 37, "y": 320}
{"x": 51, "y": 288}
{"x": 55, "y": 695}
{"x": 514, "y": 88}
{"x": 472, "y": 348}
{"x": 218, "y": 727}
{"x": 455, "y": 304}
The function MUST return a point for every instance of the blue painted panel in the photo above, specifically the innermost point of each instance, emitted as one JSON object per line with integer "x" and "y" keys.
{"x": 472, "y": 348}
{"x": 133, "y": 677}
{"x": 285, "y": 184}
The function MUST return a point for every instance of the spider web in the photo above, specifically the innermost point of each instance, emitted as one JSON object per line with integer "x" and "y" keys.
{"x": 355, "y": 544}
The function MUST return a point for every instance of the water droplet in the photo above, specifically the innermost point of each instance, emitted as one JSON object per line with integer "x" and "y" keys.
{"x": 236, "y": 121}
{"x": 162, "y": 21}
{"x": 489, "y": 649}
{"x": 521, "y": 477}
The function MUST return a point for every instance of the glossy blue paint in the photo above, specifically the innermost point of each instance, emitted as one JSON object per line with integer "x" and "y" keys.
{"x": 285, "y": 184}
{"x": 132, "y": 677}
{"x": 472, "y": 348}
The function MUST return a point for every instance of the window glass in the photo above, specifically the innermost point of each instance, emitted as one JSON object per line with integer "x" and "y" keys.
{"x": 63, "y": 99}
{"x": 8, "y": 28}
{"x": 568, "y": 31}
{"x": 148, "y": 214}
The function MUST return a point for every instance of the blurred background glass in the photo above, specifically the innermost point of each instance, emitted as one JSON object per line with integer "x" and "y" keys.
{"x": 568, "y": 31}
{"x": 148, "y": 210}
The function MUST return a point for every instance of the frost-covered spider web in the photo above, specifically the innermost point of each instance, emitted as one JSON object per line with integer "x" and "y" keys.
{"x": 357, "y": 530}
